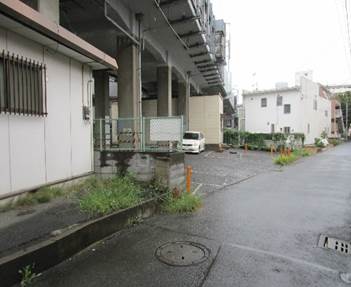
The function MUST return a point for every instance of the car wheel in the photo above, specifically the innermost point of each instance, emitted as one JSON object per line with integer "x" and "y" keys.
{"x": 199, "y": 150}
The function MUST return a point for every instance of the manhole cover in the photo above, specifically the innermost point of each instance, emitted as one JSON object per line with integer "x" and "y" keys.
{"x": 182, "y": 253}
{"x": 338, "y": 245}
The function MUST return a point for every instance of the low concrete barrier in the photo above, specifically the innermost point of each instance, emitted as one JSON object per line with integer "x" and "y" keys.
{"x": 57, "y": 249}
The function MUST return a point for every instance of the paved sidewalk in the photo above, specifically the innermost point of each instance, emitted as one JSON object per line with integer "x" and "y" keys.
{"x": 262, "y": 232}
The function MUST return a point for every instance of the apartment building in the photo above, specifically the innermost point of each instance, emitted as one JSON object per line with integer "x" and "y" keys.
{"x": 305, "y": 108}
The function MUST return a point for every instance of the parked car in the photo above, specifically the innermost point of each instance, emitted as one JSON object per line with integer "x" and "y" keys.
{"x": 193, "y": 142}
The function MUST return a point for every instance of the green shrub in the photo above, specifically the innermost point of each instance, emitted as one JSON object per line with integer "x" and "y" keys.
{"x": 43, "y": 195}
{"x": 318, "y": 143}
{"x": 186, "y": 203}
{"x": 104, "y": 196}
{"x": 335, "y": 142}
{"x": 285, "y": 159}
{"x": 239, "y": 138}
{"x": 301, "y": 153}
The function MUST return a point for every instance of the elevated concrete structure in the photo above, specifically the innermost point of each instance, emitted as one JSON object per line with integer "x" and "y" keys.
{"x": 183, "y": 35}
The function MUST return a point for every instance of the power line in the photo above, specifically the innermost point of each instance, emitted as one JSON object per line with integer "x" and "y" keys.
{"x": 341, "y": 16}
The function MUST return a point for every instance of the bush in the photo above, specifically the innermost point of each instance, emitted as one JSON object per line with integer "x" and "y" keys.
{"x": 301, "y": 153}
{"x": 43, "y": 195}
{"x": 186, "y": 203}
{"x": 335, "y": 142}
{"x": 285, "y": 159}
{"x": 257, "y": 140}
{"x": 320, "y": 142}
{"x": 104, "y": 196}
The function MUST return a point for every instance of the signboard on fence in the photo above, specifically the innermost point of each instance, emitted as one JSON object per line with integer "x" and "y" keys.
{"x": 166, "y": 129}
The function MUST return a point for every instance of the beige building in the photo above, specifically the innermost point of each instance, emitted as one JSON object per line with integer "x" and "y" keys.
{"x": 206, "y": 116}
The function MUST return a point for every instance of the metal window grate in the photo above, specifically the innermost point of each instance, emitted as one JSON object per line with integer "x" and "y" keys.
{"x": 22, "y": 86}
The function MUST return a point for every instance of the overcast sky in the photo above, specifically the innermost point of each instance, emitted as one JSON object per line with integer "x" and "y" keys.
{"x": 276, "y": 38}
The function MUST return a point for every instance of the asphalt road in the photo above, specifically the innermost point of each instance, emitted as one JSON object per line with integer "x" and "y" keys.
{"x": 261, "y": 232}
{"x": 214, "y": 170}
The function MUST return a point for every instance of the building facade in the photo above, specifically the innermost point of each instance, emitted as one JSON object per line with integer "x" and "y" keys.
{"x": 46, "y": 84}
{"x": 301, "y": 109}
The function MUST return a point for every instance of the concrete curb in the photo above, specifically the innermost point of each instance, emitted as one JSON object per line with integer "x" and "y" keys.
{"x": 57, "y": 249}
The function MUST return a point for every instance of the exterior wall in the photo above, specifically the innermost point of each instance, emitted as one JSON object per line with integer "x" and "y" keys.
{"x": 317, "y": 119}
{"x": 41, "y": 150}
{"x": 259, "y": 119}
{"x": 167, "y": 168}
{"x": 303, "y": 118}
{"x": 206, "y": 116}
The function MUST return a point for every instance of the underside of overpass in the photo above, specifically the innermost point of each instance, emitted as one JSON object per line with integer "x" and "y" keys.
{"x": 164, "y": 49}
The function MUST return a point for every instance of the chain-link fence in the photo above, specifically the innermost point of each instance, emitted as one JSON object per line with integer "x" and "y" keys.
{"x": 139, "y": 134}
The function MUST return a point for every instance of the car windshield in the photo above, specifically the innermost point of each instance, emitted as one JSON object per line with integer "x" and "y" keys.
{"x": 191, "y": 136}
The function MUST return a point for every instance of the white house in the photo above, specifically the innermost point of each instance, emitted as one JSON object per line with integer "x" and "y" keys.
{"x": 301, "y": 109}
{"x": 46, "y": 86}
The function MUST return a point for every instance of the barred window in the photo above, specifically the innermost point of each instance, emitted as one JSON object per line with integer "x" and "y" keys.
{"x": 22, "y": 86}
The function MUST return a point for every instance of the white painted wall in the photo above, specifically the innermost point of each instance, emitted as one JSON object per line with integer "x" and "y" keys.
{"x": 205, "y": 116}
{"x": 35, "y": 151}
{"x": 259, "y": 119}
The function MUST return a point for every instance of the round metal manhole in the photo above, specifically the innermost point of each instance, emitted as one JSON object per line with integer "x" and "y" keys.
{"x": 182, "y": 253}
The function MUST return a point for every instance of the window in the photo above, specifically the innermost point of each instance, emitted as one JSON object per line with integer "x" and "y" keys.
{"x": 191, "y": 136}
{"x": 264, "y": 102}
{"x": 287, "y": 109}
{"x": 308, "y": 128}
{"x": 279, "y": 100}
{"x": 326, "y": 113}
{"x": 272, "y": 129}
{"x": 315, "y": 105}
{"x": 286, "y": 130}
{"x": 22, "y": 86}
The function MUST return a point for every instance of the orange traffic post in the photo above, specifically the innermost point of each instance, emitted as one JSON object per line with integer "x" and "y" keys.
{"x": 189, "y": 172}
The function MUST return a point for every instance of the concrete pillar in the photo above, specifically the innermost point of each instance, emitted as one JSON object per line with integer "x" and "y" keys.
{"x": 50, "y": 9}
{"x": 184, "y": 102}
{"x": 164, "y": 91}
{"x": 102, "y": 94}
{"x": 129, "y": 99}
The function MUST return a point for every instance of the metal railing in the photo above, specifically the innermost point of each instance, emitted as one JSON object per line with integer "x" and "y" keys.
{"x": 145, "y": 134}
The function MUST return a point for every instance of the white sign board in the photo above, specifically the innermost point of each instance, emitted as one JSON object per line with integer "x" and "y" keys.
{"x": 166, "y": 129}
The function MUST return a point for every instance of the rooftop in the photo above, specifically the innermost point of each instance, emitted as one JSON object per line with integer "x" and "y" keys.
{"x": 270, "y": 91}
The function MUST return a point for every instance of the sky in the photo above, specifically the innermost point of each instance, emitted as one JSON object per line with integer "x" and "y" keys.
{"x": 276, "y": 38}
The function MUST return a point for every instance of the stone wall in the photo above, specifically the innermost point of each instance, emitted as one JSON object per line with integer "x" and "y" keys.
{"x": 167, "y": 167}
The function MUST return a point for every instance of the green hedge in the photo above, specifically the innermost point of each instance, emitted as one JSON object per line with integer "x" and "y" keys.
{"x": 257, "y": 140}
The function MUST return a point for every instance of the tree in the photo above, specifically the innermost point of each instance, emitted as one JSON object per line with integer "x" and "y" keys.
{"x": 345, "y": 99}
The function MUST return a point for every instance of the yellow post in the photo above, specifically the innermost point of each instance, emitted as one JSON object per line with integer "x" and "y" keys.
{"x": 246, "y": 148}
{"x": 189, "y": 172}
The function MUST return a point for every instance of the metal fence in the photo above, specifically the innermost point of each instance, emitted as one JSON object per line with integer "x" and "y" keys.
{"x": 159, "y": 134}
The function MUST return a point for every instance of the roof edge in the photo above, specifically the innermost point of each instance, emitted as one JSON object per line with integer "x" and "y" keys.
{"x": 36, "y": 21}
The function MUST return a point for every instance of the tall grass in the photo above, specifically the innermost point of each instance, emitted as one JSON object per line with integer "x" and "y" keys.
{"x": 285, "y": 159}
{"x": 185, "y": 203}
{"x": 104, "y": 196}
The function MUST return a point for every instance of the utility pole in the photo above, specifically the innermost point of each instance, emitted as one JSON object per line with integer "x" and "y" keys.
{"x": 347, "y": 116}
